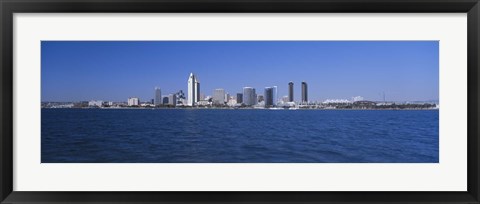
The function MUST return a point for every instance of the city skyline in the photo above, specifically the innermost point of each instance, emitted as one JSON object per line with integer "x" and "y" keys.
{"x": 415, "y": 80}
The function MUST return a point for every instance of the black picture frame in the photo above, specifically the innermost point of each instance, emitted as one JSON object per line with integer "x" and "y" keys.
{"x": 9, "y": 7}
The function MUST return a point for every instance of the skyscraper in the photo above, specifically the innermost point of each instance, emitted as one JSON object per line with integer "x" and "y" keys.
{"x": 268, "y": 96}
{"x": 193, "y": 90}
{"x": 275, "y": 96}
{"x": 172, "y": 99}
{"x": 197, "y": 95}
{"x": 219, "y": 96}
{"x": 290, "y": 92}
{"x": 304, "y": 92}
{"x": 239, "y": 98}
{"x": 249, "y": 96}
{"x": 158, "y": 97}
{"x": 227, "y": 97}
{"x": 134, "y": 101}
{"x": 165, "y": 100}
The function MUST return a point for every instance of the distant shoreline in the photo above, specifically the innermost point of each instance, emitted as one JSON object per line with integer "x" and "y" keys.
{"x": 280, "y": 109}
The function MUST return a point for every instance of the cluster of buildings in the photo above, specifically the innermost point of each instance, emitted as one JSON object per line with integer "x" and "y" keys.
{"x": 249, "y": 97}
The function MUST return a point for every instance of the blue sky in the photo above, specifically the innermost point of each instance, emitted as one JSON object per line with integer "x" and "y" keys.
{"x": 116, "y": 70}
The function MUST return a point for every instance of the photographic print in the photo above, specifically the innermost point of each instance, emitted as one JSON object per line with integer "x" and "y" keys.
{"x": 240, "y": 102}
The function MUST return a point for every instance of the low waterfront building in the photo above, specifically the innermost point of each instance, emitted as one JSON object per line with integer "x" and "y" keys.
{"x": 95, "y": 103}
{"x": 370, "y": 103}
{"x": 260, "y": 98}
{"x": 289, "y": 104}
{"x": 260, "y": 105}
{"x": 181, "y": 101}
{"x": 57, "y": 105}
{"x": 232, "y": 102}
{"x": 335, "y": 101}
{"x": 146, "y": 104}
{"x": 204, "y": 103}
{"x": 164, "y": 100}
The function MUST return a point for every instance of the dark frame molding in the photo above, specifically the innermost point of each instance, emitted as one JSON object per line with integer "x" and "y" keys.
{"x": 9, "y": 7}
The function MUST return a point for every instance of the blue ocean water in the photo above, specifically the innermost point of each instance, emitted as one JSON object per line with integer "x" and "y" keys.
{"x": 247, "y": 136}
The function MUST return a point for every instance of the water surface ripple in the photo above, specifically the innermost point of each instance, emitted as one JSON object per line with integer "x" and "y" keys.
{"x": 247, "y": 136}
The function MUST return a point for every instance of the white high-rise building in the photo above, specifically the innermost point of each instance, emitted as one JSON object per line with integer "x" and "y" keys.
{"x": 158, "y": 97}
{"x": 133, "y": 101}
{"x": 193, "y": 90}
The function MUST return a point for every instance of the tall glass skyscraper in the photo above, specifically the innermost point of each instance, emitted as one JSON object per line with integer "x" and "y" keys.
{"x": 304, "y": 92}
{"x": 239, "y": 98}
{"x": 249, "y": 96}
{"x": 193, "y": 90}
{"x": 275, "y": 95}
{"x": 158, "y": 97}
{"x": 268, "y": 97}
{"x": 290, "y": 92}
